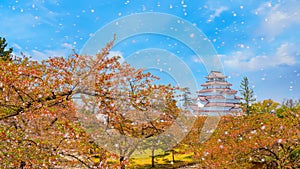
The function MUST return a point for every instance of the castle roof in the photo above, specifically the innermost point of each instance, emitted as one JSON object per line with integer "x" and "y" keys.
{"x": 222, "y": 90}
{"x": 220, "y": 97}
{"x": 214, "y": 104}
{"x": 218, "y": 111}
{"x": 211, "y": 83}
{"x": 215, "y": 74}
{"x": 202, "y": 98}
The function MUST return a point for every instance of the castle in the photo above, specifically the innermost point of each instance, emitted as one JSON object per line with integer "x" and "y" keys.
{"x": 216, "y": 97}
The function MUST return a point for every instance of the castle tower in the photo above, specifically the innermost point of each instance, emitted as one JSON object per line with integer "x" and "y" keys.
{"x": 217, "y": 97}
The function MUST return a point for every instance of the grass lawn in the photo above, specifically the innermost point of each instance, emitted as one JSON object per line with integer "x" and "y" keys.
{"x": 162, "y": 160}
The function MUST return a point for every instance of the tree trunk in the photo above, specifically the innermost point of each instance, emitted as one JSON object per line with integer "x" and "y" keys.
{"x": 173, "y": 158}
{"x": 122, "y": 165}
{"x": 22, "y": 164}
{"x": 152, "y": 161}
{"x": 152, "y": 157}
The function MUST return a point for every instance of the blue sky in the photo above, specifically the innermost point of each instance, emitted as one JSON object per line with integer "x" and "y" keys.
{"x": 257, "y": 39}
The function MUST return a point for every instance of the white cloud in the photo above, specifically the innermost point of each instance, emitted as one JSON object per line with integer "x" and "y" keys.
{"x": 41, "y": 55}
{"x": 116, "y": 53}
{"x": 23, "y": 25}
{"x": 285, "y": 54}
{"x": 67, "y": 45}
{"x": 64, "y": 52}
{"x": 217, "y": 12}
{"x": 16, "y": 46}
{"x": 197, "y": 59}
{"x": 277, "y": 18}
{"x": 263, "y": 8}
{"x": 45, "y": 54}
{"x": 24, "y": 22}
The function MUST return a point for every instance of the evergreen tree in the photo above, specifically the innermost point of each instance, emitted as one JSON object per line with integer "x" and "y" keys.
{"x": 186, "y": 97}
{"x": 247, "y": 94}
{"x": 5, "y": 54}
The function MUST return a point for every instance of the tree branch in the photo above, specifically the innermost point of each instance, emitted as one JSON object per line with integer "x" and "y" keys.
{"x": 73, "y": 156}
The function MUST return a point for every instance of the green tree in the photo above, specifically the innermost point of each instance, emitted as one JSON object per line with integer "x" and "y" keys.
{"x": 265, "y": 106}
{"x": 288, "y": 105}
{"x": 4, "y": 54}
{"x": 186, "y": 97}
{"x": 247, "y": 95}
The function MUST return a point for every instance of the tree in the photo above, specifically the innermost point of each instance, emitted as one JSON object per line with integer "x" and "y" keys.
{"x": 259, "y": 140}
{"x": 5, "y": 54}
{"x": 247, "y": 94}
{"x": 191, "y": 142}
{"x": 265, "y": 106}
{"x": 186, "y": 97}
{"x": 288, "y": 105}
{"x": 132, "y": 107}
{"x": 38, "y": 127}
{"x": 41, "y": 125}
